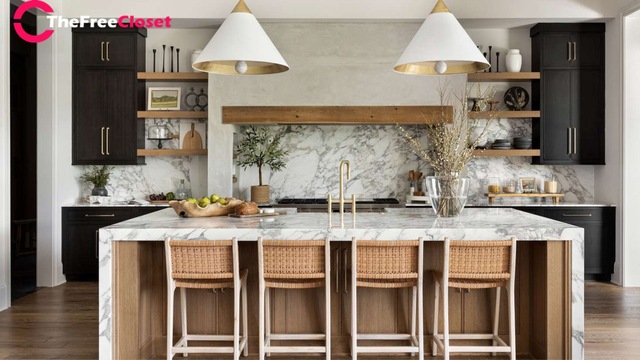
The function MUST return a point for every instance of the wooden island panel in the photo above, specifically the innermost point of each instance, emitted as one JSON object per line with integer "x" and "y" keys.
{"x": 543, "y": 302}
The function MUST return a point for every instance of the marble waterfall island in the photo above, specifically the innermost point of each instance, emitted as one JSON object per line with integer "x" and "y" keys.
{"x": 549, "y": 279}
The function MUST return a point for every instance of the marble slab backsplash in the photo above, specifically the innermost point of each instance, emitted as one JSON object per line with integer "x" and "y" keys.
{"x": 380, "y": 162}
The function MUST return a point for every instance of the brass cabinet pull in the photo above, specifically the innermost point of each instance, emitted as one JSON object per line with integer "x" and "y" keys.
{"x": 99, "y": 215}
{"x": 107, "y": 141}
{"x": 102, "y": 141}
{"x": 568, "y": 51}
{"x": 102, "y": 51}
{"x": 575, "y": 51}
{"x": 337, "y": 256}
{"x": 344, "y": 257}
{"x": 108, "y": 51}
{"x": 569, "y": 141}
{"x": 577, "y": 215}
{"x": 96, "y": 244}
{"x": 575, "y": 140}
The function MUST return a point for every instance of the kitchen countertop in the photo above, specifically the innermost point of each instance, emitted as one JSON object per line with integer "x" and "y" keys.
{"x": 394, "y": 224}
{"x": 528, "y": 203}
{"x": 115, "y": 204}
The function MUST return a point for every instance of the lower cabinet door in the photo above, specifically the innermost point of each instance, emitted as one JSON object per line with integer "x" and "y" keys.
{"x": 81, "y": 251}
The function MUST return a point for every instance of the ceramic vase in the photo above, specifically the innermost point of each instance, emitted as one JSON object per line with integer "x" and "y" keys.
{"x": 514, "y": 60}
{"x": 99, "y": 191}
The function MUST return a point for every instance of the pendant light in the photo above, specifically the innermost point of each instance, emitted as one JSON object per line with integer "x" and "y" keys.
{"x": 441, "y": 47}
{"x": 240, "y": 47}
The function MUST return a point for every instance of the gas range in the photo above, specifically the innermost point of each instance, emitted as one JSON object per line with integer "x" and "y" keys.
{"x": 320, "y": 204}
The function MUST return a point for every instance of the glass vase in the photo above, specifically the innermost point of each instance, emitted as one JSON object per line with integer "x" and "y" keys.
{"x": 448, "y": 194}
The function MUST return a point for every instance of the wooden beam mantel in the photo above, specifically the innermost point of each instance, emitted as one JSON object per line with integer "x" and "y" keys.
{"x": 335, "y": 115}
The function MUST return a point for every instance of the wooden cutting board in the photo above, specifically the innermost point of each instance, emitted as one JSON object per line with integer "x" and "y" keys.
{"x": 256, "y": 215}
{"x": 192, "y": 139}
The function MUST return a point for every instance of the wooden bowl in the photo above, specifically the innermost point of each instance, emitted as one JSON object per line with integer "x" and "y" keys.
{"x": 186, "y": 209}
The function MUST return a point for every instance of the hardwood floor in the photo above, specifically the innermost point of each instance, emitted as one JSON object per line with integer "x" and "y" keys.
{"x": 62, "y": 323}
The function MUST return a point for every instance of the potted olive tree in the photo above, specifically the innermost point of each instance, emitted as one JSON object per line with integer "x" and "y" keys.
{"x": 261, "y": 147}
{"x": 99, "y": 177}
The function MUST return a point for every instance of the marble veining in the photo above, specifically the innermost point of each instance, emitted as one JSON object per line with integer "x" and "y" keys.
{"x": 476, "y": 224}
{"x": 381, "y": 160}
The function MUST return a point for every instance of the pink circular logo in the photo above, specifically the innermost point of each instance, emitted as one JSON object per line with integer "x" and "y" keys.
{"x": 18, "y": 16}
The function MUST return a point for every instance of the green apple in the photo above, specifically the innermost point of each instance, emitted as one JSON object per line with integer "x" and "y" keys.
{"x": 204, "y": 201}
{"x": 215, "y": 198}
{"x": 192, "y": 200}
{"x": 222, "y": 201}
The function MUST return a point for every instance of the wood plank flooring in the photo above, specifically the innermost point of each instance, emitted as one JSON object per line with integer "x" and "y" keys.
{"x": 62, "y": 323}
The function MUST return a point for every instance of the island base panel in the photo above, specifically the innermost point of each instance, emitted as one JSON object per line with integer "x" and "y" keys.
{"x": 543, "y": 303}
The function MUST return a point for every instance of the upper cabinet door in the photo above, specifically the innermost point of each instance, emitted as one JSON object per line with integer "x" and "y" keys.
{"x": 556, "y": 133}
{"x": 587, "y": 116}
{"x": 589, "y": 50}
{"x": 120, "y": 135}
{"x": 89, "y": 118}
{"x": 557, "y": 50}
{"x": 105, "y": 49}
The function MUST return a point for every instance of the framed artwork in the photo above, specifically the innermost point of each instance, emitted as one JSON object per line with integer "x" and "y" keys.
{"x": 528, "y": 185}
{"x": 164, "y": 98}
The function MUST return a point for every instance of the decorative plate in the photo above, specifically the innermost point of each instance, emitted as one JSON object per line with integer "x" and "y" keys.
{"x": 516, "y": 98}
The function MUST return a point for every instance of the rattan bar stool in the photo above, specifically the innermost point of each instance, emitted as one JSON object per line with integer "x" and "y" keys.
{"x": 205, "y": 264}
{"x": 293, "y": 264}
{"x": 388, "y": 264}
{"x": 481, "y": 264}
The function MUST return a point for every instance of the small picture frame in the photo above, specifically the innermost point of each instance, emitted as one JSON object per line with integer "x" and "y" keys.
{"x": 528, "y": 185}
{"x": 164, "y": 98}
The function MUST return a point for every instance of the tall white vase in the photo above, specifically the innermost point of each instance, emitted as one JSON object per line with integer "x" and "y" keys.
{"x": 514, "y": 60}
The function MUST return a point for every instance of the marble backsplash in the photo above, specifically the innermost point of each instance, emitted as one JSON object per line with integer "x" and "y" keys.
{"x": 380, "y": 161}
{"x": 160, "y": 174}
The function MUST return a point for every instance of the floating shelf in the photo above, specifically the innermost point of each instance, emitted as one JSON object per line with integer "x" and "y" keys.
{"x": 555, "y": 197}
{"x": 525, "y": 114}
{"x": 172, "y": 152}
{"x": 514, "y": 152}
{"x": 172, "y": 114}
{"x": 156, "y": 76}
{"x": 503, "y": 76}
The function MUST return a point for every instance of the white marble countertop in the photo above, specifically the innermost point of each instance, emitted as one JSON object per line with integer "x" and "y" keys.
{"x": 114, "y": 204}
{"x": 394, "y": 224}
{"x": 536, "y": 203}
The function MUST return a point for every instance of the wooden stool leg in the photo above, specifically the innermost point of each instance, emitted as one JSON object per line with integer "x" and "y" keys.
{"x": 414, "y": 295}
{"x": 354, "y": 302}
{"x": 512, "y": 320}
{"x": 420, "y": 320}
{"x": 327, "y": 314}
{"x": 496, "y": 318}
{"x": 236, "y": 322}
{"x": 261, "y": 311}
{"x": 183, "y": 316}
{"x": 267, "y": 318}
{"x": 170, "y": 293}
{"x": 445, "y": 302}
{"x": 436, "y": 305}
{"x": 245, "y": 321}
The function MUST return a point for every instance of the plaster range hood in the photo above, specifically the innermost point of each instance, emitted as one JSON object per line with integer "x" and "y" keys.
{"x": 335, "y": 115}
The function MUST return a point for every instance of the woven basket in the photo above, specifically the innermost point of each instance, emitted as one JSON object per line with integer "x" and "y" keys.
{"x": 387, "y": 264}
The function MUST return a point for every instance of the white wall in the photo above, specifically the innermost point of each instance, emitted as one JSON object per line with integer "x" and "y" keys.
{"x": 348, "y": 10}
{"x": 631, "y": 210}
{"x": 5, "y": 161}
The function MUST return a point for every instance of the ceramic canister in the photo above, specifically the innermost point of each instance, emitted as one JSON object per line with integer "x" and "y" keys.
{"x": 194, "y": 56}
{"x": 514, "y": 60}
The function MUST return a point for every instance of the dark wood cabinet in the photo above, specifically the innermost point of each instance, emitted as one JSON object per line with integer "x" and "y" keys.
{"x": 570, "y": 93}
{"x": 80, "y": 227}
{"x": 107, "y": 96}
{"x": 599, "y": 224}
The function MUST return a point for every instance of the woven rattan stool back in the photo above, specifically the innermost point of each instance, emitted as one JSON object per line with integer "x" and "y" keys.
{"x": 480, "y": 259}
{"x": 379, "y": 260}
{"x": 292, "y": 259}
{"x": 201, "y": 259}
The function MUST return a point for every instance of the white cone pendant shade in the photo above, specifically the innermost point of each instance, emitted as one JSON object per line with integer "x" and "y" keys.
{"x": 441, "y": 47}
{"x": 240, "y": 47}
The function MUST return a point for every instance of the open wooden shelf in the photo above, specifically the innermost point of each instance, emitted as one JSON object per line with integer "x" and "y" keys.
{"x": 525, "y": 114}
{"x": 172, "y": 152}
{"x": 172, "y": 114}
{"x": 555, "y": 197}
{"x": 513, "y": 152}
{"x": 158, "y": 76}
{"x": 335, "y": 115}
{"x": 503, "y": 76}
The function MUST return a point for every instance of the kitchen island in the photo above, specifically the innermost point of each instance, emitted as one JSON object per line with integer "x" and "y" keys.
{"x": 549, "y": 278}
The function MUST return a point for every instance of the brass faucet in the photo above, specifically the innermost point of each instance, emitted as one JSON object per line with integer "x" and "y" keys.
{"x": 341, "y": 200}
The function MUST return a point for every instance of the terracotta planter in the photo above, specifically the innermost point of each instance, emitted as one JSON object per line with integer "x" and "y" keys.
{"x": 260, "y": 194}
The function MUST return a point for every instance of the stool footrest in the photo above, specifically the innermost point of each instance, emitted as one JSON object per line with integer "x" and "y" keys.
{"x": 295, "y": 349}
{"x": 472, "y": 348}
{"x": 385, "y": 337}
{"x": 388, "y": 349}
{"x": 295, "y": 337}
